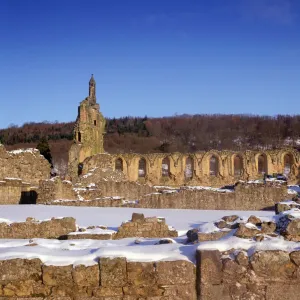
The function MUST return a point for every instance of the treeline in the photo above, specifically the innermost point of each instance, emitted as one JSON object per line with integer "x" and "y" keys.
{"x": 184, "y": 133}
{"x": 33, "y": 132}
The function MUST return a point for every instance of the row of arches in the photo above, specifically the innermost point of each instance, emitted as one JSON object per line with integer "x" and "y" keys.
{"x": 238, "y": 166}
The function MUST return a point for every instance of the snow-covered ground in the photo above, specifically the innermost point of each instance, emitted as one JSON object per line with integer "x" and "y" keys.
{"x": 56, "y": 252}
{"x": 112, "y": 217}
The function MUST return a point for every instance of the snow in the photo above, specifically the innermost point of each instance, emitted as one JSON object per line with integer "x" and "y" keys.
{"x": 19, "y": 151}
{"x": 294, "y": 189}
{"x": 87, "y": 251}
{"x": 94, "y": 231}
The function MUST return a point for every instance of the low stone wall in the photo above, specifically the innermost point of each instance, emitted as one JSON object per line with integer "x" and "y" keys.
{"x": 55, "y": 188}
{"x": 268, "y": 275}
{"x": 265, "y": 275}
{"x": 244, "y": 197}
{"x": 54, "y": 228}
{"x": 110, "y": 279}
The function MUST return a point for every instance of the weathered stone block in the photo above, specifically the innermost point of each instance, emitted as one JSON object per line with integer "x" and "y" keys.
{"x": 136, "y": 217}
{"x": 141, "y": 273}
{"x": 254, "y": 220}
{"x": 273, "y": 264}
{"x": 56, "y": 275}
{"x": 143, "y": 291}
{"x": 268, "y": 227}
{"x": 113, "y": 272}
{"x": 108, "y": 292}
{"x": 214, "y": 292}
{"x": 86, "y": 276}
{"x": 279, "y": 291}
{"x": 209, "y": 266}
{"x": 295, "y": 257}
{"x": 26, "y": 289}
{"x": 182, "y": 292}
{"x": 211, "y": 236}
{"x": 232, "y": 271}
{"x": 175, "y": 272}
{"x": 242, "y": 259}
{"x": 246, "y": 232}
{"x": 20, "y": 269}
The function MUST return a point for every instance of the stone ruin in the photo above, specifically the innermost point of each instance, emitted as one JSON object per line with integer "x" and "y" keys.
{"x": 286, "y": 225}
{"x": 66, "y": 228}
{"x": 243, "y": 196}
{"x": 151, "y": 227}
{"x": 212, "y": 168}
{"x": 32, "y": 228}
{"x": 24, "y": 164}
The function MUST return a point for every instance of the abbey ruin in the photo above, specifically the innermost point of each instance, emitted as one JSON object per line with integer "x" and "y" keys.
{"x": 212, "y": 168}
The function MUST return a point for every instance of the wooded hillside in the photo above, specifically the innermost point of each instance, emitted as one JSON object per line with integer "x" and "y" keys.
{"x": 184, "y": 133}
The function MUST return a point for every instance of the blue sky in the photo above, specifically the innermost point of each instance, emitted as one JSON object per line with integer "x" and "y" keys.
{"x": 149, "y": 57}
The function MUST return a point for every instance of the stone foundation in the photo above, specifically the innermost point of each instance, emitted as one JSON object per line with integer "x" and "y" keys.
{"x": 54, "y": 228}
{"x": 110, "y": 279}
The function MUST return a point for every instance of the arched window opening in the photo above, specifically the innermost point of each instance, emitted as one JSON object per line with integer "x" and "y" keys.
{"x": 79, "y": 170}
{"x": 238, "y": 165}
{"x": 119, "y": 165}
{"x": 79, "y": 137}
{"x": 213, "y": 166}
{"x": 287, "y": 162}
{"x": 142, "y": 168}
{"x": 189, "y": 168}
{"x": 165, "y": 167}
{"x": 262, "y": 164}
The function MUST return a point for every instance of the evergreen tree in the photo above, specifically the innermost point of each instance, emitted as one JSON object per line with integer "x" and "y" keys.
{"x": 43, "y": 147}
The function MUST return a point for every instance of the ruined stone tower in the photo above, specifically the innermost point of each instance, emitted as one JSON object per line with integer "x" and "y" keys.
{"x": 88, "y": 130}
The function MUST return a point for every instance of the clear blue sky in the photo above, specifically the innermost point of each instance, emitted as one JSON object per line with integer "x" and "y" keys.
{"x": 149, "y": 57}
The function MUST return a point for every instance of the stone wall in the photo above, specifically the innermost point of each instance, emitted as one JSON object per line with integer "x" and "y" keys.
{"x": 54, "y": 228}
{"x": 55, "y": 188}
{"x": 110, "y": 279}
{"x": 197, "y": 169}
{"x": 244, "y": 197}
{"x": 14, "y": 191}
{"x": 252, "y": 196}
{"x": 26, "y": 164}
{"x": 265, "y": 275}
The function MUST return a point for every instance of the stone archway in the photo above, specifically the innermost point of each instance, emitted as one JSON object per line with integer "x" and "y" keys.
{"x": 213, "y": 166}
{"x": 189, "y": 168}
{"x": 119, "y": 164}
{"x": 288, "y": 162}
{"x": 142, "y": 168}
{"x": 237, "y": 165}
{"x": 262, "y": 164}
{"x": 165, "y": 167}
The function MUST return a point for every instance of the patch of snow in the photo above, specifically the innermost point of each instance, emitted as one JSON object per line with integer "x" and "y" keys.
{"x": 19, "y": 151}
{"x": 94, "y": 231}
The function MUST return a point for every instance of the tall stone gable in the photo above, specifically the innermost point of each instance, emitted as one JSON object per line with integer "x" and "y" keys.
{"x": 89, "y": 130}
